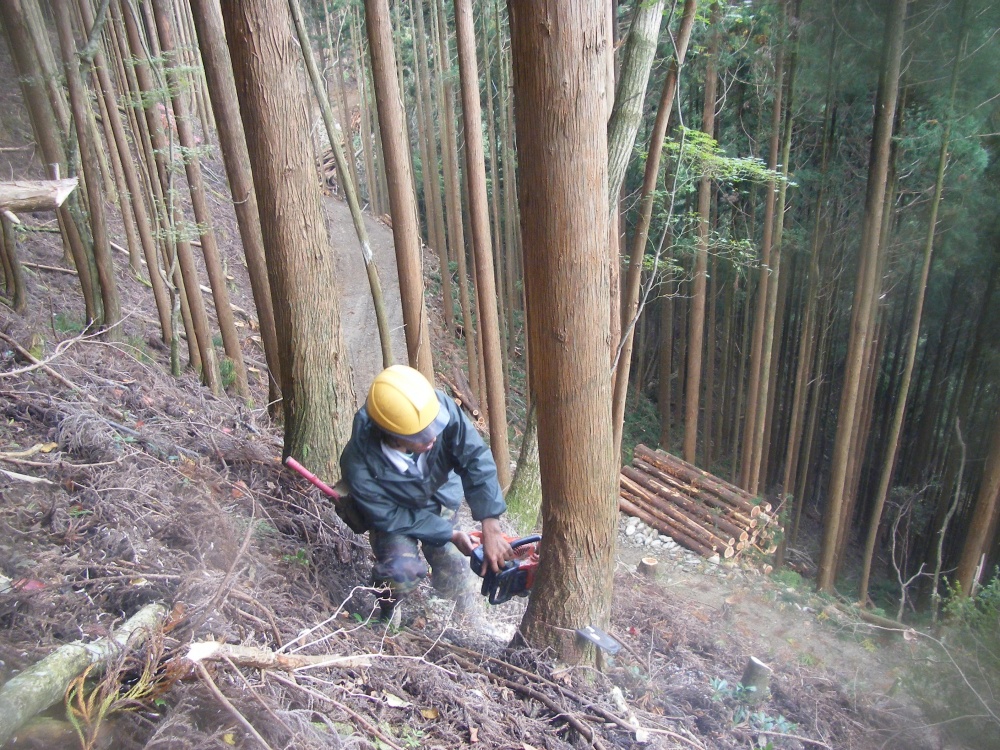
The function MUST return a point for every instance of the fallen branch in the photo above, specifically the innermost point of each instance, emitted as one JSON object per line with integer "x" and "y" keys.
{"x": 25, "y": 478}
{"x": 262, "y": 658}
{"x": 214, "y": 689}
{"x": 44, "y": 684}
{"x": 37, "y": 363}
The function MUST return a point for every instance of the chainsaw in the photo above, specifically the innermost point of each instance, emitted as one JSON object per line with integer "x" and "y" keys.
{"x": 516, "y": 577}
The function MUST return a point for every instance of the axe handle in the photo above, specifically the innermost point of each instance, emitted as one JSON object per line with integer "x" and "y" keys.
{"x": 326, "y": 489}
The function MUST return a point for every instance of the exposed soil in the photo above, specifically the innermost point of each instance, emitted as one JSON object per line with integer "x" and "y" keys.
{"x": 121, "y": 486}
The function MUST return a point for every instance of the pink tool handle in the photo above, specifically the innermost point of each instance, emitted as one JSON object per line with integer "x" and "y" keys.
{"x": 291, "y": 463}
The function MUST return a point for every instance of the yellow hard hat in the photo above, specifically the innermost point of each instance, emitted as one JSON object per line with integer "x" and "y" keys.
{"x": 403, "y": 403}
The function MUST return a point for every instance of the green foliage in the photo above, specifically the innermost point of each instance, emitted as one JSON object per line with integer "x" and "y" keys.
{"x": 788, "y": 578}
{"x": 301, "y": 557}
{"x": 741, "y": 697}
{"x": 701, "y": 156}
{"x": 956, "y": 680}
{"x": 642, "y": 424}
{"x": 65, "y": 323}
{"x": 227, "y": 371}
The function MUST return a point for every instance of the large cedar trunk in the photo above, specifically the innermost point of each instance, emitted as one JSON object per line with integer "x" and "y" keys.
{"x": 316, "y": 384}
{"x": 560, "y": 89}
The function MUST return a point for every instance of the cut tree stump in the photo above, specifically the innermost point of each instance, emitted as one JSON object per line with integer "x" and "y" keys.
{"x": 44, "y": 684}
{"x": 757, "y": 680}
{"x": 649, "y": 566}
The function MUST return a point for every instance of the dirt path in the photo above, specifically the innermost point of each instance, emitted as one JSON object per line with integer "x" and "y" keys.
{"x": 357, "y": 312}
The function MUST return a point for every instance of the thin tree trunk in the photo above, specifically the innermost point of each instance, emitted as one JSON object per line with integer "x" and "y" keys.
{"x": 892, "y": 442}
{"x": 405, "y": 225}
{"x": 131, "y": 192}
{"x": 199, "y": 203}
{"x": 753, "y": 426}
{"x": 453, "y": 191}
{"x": 233, "y": 145}
{"x": 630, "y": 297}
{"x": 47, "y": 137}
{"x": 13, "y": 271}
{"x": 865, "y": 291}
{"x": 180, "y": 264}
{"x": 696, "y": 316}
{"x": 432, "y": 181}
{"x": 350, "y": 190}
{"x": 489, "y": 324}
{"x": 88, "y": 157}
{"x": 366, "y": 126}
{"x": 319, "y": 398}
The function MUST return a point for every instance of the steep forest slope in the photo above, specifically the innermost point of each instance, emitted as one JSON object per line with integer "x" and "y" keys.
{"x": 121, "y": 486}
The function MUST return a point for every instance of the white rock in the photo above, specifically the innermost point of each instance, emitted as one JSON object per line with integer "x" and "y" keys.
{"x": 629, "y": 530}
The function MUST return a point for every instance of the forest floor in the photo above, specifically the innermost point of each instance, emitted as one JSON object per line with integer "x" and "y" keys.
{"x": 122, "y": 486}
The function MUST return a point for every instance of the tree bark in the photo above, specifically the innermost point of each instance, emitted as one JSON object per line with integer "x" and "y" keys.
{"x": 13, "y": 271}
{"x": 112, "y": 314}
{"x": 233, "y": 145}
{"x": 403, "y": 207}
{"x": 318, "y": 394}
{"x": 630, "y": 296}
{"x": 865, "y": 290}
{"x": 44, "y": 684}
{"x": 350, "y": 189}
{"x": 489, "y": 323}
{"x": 696, "y": 316}
{"x": 560, "y": 86}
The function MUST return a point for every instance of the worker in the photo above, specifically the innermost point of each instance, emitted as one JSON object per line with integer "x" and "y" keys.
{"x": 411, "y": 458}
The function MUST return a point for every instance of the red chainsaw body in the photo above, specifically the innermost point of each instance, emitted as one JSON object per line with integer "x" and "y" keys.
{"x": 518, "y": 574}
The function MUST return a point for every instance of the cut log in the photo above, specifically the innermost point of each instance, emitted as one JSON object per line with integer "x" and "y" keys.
{"x": 626, "y": 505}
{"x": 701, "y": 479}
{"x": 671, "y": 521}
{"x": 464, "y": 391}
{"x": 44, "y": 684}
{"x": 35, "y": 195}
{"x": 679, "y": 514}
{"x": 692, "y": 508}
{"x": 738, "y": 515}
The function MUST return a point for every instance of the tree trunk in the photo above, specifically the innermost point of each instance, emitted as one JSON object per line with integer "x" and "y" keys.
{"x": 318, "y": 393}
{"x": 630, "y": 296}
{"x": 560, "y": 85}
{"x": 865, "y": 291}
{"x": 350, "y": 189}
{"x": 199, "y": 203}
{"x": 524, "y": 497}
{"x": 103, "y": 263}
{"x": 179, "y": 262}
{"x": 403, "y": 207}
{"x": 13, "y": 271}
{"x": 233, "y": 145}
{"x": 489, "y": 324}
{"x": 753, "y": 425}
{"x": 452, "y": 186}
{"x": 977, "y": 539}
{"x": 696, "y": 316}
{"x": 892, "y": 441}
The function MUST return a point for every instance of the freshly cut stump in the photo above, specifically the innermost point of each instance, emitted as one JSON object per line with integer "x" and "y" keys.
{"x": 649, "y": 567}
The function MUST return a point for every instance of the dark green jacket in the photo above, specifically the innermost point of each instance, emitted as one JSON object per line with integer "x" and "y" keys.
{"x": 458, "y": 464}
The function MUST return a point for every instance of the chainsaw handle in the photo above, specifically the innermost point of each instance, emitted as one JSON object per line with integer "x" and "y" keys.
{"x": 326, "y": 489}
{"x": 525, "y": 540}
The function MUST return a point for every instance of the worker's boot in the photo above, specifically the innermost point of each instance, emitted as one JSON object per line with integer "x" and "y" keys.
{"x": 389, "y": 612}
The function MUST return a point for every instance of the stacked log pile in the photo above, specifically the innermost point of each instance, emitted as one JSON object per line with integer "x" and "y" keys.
{"x": 700, "y": 511}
